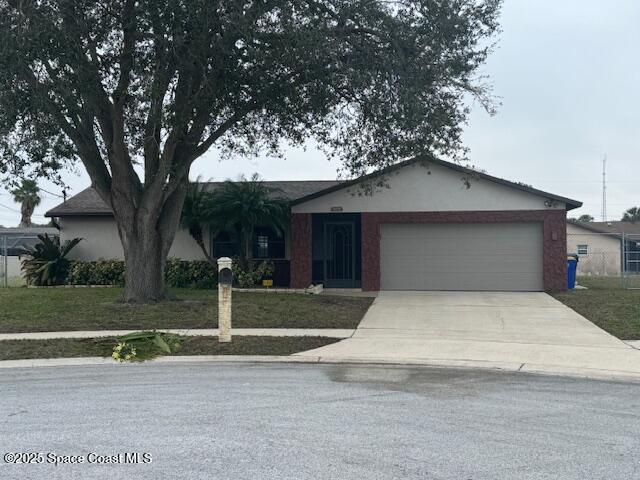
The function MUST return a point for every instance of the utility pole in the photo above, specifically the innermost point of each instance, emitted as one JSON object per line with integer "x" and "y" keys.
{"x": 604, "y": 188}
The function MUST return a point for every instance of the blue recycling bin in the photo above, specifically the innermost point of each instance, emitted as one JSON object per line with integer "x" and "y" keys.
{"x": 572, "y": 266}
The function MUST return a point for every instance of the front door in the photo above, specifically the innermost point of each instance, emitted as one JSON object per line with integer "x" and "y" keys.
{"x": 339, "y": 254}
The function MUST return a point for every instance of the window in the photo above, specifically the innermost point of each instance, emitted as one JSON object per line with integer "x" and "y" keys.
{"x": 268, "y": 243}
{"x": 225, "y": 244}
{"x": 263, "y": 246}
{"x": 583, "y": 249}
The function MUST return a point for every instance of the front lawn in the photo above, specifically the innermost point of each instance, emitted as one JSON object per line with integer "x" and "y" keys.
{"x": 607, "y": 305}
{"x": 103, "y": 347}
{"x": 59, "y": 309}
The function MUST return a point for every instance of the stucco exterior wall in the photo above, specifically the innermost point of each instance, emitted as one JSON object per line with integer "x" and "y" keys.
{"x": 431, "y": 188}
{"x": 14, "y": 267}
{"x": 101, "y": 240}
{"x": 604, "y": 255}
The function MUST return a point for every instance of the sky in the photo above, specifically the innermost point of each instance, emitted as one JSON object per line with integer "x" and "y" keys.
{"x": 567, "y": 75}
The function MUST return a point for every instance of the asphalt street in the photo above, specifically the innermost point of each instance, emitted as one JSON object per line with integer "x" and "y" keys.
{"x": 282, "y": 421}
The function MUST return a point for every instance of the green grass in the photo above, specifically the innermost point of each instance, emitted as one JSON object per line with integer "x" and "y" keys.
{"x": 16, "y": 282}
{"x": 103, "y": 347}
{"x": 59, "y": 309}
{"x": 607, "y": 305}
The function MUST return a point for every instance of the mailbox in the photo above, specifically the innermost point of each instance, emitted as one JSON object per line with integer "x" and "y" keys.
{"x": 225, "y": 276}
{"x": 225, "y": 280}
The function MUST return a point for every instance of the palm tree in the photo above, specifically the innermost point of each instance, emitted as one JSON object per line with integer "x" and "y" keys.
{"x": 244, "y": 205}
{"x": 632, "y": 215}
{"x": 47, "y": 263}
{"x": 28, "y": 196}
{"x": 196, "y": 214}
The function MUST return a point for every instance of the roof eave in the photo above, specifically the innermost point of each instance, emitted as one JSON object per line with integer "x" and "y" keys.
{"x": 52, "y": 214}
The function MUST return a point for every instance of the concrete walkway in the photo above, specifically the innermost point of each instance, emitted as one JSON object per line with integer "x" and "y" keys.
{"x": 205, "y": 332}
{"x": 529, "y": 332}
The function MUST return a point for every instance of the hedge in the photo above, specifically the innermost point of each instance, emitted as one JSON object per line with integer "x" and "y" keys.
{"x": 179, "y": 273}
{"x": 99, "y": 272}
{"x": 192, "y": 273}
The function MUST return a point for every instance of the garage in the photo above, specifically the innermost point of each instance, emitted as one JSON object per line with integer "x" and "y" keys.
{"x": 461, "y": 256}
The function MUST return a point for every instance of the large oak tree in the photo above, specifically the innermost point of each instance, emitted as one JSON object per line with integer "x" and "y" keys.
{"x": 136, "y": 90}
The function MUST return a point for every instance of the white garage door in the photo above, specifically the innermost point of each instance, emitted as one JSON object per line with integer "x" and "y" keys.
{"x": 496, "y": 256}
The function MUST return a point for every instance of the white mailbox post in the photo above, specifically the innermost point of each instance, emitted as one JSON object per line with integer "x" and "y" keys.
{"x": 225, "y": 282}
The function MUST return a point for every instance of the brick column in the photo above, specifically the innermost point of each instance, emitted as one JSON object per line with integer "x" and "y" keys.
{"x": 301, "y": 252}
{"x": 555, "y": 251}
{"x": 370, "y": 252}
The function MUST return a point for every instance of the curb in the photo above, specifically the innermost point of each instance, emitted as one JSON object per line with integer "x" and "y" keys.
{"x": 88, "y": 361}
{"x": 530, "y": 369}
{"x": 192, "y": 332}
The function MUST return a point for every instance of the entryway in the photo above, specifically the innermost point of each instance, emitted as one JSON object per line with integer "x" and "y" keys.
{"x": 336, "y": 250}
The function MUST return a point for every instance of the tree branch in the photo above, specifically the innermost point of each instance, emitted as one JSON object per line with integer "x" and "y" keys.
{"x": 87, "y": 149}
{"x": 128, "y": 20}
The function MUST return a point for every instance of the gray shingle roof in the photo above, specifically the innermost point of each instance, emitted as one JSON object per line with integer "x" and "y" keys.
{"x": 628, "y": 228}
{"x": 89, "y": 203}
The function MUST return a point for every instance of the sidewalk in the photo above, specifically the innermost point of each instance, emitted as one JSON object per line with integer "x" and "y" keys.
{"x": 203, "y": 332}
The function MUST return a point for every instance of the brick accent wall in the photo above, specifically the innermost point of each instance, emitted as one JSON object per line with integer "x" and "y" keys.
{"x": 301, "y": 253}
{"x": 554, "y": 238}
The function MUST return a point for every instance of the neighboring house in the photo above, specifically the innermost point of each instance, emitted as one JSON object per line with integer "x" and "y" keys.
{"x": 600, "y": 247}
{"x": 422, "y": 230}
{"x": 17, "y": 239}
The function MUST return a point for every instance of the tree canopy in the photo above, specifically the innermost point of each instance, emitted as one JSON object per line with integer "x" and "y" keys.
{"x": 631, "y": 215}
{"x": 585, "y": 218}
{"x": 28, "y": 196}
{"x": 137, "y": 90}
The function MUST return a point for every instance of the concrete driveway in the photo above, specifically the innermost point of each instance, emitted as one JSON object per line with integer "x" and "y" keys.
{"x": 514, "y": 331}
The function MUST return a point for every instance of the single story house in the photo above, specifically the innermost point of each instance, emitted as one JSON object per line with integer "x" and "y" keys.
{"x": 601, "y": 248}
{"x": 422, "y": 224}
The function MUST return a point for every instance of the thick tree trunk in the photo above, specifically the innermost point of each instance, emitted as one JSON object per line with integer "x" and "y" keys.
{"x": 145, "y": 266}
{"x": 147, "y": 234}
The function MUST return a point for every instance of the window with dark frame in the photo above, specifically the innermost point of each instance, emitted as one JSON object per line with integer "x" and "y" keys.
{"x": 225, "y": 244}
{"x": 262, "y": 246}
{"x": 268, "y": 243}
{"x": 583, "y": 249}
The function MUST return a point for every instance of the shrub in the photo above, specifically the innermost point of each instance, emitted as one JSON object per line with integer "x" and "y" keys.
{"x": 192, "y": 274}
{"x": 46, "y": 263}
{"x": 99, "y": 272}
{"x": 253, "y": 276}
{"x": 178, "y": 273}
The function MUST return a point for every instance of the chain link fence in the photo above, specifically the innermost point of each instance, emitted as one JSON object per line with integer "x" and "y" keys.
{"x": 12, "y": 245}
{"x": 631, "y": 261}
{"x": 611, "y": 255}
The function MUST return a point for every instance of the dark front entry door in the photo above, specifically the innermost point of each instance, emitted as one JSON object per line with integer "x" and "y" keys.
{"x": 339, "y": 254}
